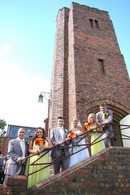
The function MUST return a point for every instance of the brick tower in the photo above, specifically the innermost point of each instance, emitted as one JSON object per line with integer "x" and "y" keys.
{"x": 88, "y": 66}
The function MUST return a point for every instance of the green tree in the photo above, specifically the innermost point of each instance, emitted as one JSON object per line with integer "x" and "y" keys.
{"x": 2, "y": 124}
{"x": 2, "y": 132}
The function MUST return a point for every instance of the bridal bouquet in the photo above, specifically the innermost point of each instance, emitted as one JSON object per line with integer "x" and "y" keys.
{"x": 71, "y": 135}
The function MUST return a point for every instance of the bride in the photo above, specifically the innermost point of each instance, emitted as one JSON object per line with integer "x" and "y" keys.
{"x": 83, "y": 154}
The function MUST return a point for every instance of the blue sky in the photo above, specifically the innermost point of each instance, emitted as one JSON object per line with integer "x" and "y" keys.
{"x": 27, "y": 31}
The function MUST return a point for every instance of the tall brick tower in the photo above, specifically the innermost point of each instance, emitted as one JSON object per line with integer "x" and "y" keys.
{"x": 88, "y": 66}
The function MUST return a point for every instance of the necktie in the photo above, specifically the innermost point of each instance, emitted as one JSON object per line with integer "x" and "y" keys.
{"x": 22, "y": 147}
{"x": 103, "y": 117}
{"x": 62, "y": 133}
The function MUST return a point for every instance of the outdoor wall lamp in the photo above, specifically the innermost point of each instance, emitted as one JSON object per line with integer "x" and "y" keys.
{"x": 45, "y": 95}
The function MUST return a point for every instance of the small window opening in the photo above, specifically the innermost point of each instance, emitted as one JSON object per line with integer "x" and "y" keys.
{"x": 96, "y": 23}
{"x": 101, "y": 65}
{"x": 91, "y": 22}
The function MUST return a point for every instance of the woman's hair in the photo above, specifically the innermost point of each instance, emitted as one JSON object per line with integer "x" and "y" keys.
{"x": 91, "y": 114}
{"x": 75, "y": 119}
{"x": 35, "y": 134}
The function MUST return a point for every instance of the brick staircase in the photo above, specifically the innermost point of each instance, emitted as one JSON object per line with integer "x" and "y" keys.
{"x": 106, "y": 173}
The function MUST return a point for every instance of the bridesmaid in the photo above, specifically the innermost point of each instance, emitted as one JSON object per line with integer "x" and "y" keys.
{"x": 36, "y": 146}
{"x": 96, "y": 135}
{"x": 83, "y": 154}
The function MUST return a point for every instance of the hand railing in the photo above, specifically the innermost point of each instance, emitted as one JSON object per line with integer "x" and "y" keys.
{"x": 84, "y": 135}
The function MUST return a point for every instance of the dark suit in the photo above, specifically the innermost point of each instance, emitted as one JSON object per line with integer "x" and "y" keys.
{"x": 14, "y": 153}
{"x": 61, "y": 151}
{"x": 107, "y": 128}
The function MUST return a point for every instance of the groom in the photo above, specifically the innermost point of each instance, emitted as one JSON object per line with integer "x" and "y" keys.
{"x": 105, "y": 117}
{"x": 58, "y": 136}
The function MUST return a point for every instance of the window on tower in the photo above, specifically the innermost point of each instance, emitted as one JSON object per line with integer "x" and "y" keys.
{"x": 96, "y": 23}
{"x": 101, "y": 65}
{"x": 91, "y": 22}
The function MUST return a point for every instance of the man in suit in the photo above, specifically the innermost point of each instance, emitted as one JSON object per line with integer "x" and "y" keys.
{"x": 17, "y": 151}
{"x": 58, "y": 137}
{"x": 105, "y": 117}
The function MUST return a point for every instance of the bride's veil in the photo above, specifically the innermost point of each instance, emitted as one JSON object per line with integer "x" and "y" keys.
{"x": 79, "y": 123}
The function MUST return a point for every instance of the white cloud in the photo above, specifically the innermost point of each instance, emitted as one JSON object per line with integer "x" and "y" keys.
{"x": 5, "y": 48}
{"x": 19, "y": 97}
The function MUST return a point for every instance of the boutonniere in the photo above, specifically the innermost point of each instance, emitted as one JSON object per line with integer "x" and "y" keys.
{"x": 87, "y": 125}
{"x": 66, "y": 130}
{"x": 106, "y": 115}
{"x": 27, "y": 142}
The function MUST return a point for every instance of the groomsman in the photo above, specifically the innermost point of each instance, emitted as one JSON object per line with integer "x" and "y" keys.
{"x": 58, "y": 136}
{"x": 105, "y": 118}
{"x": 17, "y": 151}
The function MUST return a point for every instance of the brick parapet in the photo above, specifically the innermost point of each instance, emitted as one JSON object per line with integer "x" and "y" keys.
{"x": 17, "y": 184}
{"x": 106, "y": 173}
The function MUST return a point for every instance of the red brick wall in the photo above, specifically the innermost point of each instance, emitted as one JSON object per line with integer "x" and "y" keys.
{"x": 59, "y": 100}
{"x": 107, "y": 173}
{"x": 78, "y": 84}
{"x": 4, "y": 147}
{"x": 88, "y": 84}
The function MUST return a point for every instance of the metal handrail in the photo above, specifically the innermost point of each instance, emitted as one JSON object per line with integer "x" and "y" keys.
{"x": 84, "y": 135}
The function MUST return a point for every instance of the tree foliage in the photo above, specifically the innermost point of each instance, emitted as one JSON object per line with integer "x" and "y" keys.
{"x": 2, "y": 124}
{"x": 2, "y": 132}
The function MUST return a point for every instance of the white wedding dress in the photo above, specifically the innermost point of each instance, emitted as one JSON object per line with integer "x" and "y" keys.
{"x": 81, "y": 155}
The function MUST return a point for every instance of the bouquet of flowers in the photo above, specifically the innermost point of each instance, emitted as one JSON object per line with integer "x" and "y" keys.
{"x": 40, "y": 142}
{"x": 71, "y": 135}
{"x": 87, "y": 125}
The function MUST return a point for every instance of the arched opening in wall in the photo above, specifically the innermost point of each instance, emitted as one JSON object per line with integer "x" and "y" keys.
{"x": 119, "y": 112}
{"x": 117, "y": 139}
